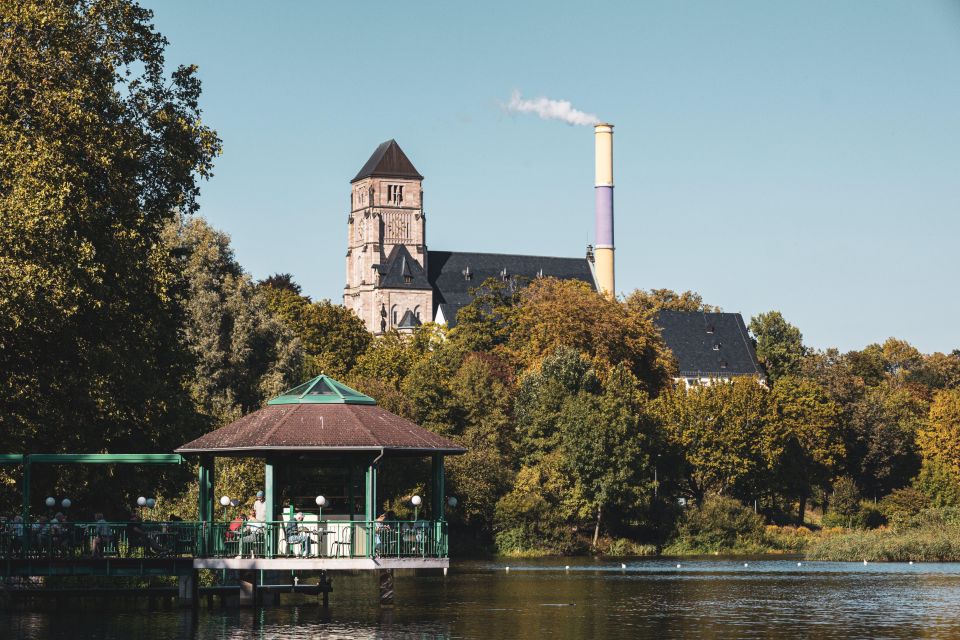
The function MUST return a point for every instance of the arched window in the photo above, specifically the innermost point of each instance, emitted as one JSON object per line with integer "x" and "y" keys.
{"x": 393, "y": 315}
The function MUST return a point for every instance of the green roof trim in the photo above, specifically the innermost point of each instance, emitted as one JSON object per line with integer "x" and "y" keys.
{"x": 322, "y": 390}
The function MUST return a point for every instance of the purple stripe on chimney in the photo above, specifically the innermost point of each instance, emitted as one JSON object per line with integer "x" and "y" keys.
{"x": 604, "y": 236}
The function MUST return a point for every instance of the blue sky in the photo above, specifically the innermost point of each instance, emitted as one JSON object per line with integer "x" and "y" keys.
{"x": 800, "y": 156}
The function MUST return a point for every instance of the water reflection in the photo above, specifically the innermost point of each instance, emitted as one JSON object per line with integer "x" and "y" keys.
{"x": 713, "y": 598}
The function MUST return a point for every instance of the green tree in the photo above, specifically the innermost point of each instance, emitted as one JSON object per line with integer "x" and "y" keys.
{"x": 242, "y": 354}
{"x": 650, "y": 302}
{"x": 331, "y": 335}
{"x": 607, "y": 440}
{"x": 803, "y": 438}
{"x": 717, "y": 431}
{"x": 881, "y": 438}
{"x": 779, "y": 344}
{"x": 485, "y": 323}
{"x": 541, "y": 397}
{"x": 99, "y": 146}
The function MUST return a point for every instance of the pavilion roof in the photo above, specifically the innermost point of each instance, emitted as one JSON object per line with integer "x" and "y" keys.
{"x": 297, "y": 421}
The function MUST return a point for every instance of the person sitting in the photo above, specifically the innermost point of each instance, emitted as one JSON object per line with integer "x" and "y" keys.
{"x": 102, "y": 536}
{"x": 296, "y": 534}
{"x": 237, "y": 525}
{"x": 138, "y": 537}
{"x": 382, "y": 527}
{"x": 254, "y": 534}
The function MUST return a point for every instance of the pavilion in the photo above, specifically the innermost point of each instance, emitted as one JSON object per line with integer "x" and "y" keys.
{"x": 323, "y": 438}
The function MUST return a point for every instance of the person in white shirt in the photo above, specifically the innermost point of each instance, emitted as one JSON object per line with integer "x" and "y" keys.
{"x": 260, "y": 507}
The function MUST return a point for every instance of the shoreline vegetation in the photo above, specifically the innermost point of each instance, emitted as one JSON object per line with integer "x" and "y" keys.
{"x": 933, "y": 536}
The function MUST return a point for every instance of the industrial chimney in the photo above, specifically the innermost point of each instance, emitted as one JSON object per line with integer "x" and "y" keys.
{"x": 603, "y": 249}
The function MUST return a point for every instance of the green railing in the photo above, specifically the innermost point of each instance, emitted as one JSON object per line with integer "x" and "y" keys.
{"x": 276, "y": 539}
{"x": 71, "y": 540}
{"x": 331, "y": 539}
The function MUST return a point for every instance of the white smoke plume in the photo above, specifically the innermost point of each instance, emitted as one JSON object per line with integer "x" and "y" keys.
{"x": 549, "y": 109}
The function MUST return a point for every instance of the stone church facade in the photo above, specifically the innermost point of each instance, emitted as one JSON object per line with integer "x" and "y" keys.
{"x": 393, "y": 280}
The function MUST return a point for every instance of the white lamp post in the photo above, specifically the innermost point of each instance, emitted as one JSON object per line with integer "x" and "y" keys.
{"x": 141, "y": 501}
{"x": 51, "y": 502}
{"x": 417, "y": 501}
{"x": 224, "y": 502}
{"x": 151, "y": 503}
{"x": 320, "y": 502}
{"x": 452, "y": 501}
{"x": 65, "y": 503}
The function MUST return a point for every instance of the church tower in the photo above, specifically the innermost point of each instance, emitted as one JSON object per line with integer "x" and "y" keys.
{"x": 387, "y": 284}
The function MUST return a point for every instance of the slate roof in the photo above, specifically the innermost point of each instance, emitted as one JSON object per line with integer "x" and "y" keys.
{"x": 709, "y": 344}
{"x": 409, "y": 321}
{"x": 400, "y": 266}
{"x": 447, "y": 272}
{"x": 388, "y": 161}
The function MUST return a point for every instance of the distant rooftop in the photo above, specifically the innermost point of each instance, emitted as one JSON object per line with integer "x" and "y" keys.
{"x": 388, "y": 161}
{"x": 709, "y": 344}
{"x": 322, "y": 390}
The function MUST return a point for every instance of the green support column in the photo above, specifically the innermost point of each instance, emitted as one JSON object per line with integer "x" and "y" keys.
{"x": 268, "y": 488}
{"x": 437, "y": 511}
{"x": 437, "y": 489}
{"x": 370, "y": 493}
{"x": 370, "y": 512}
{"x": 26, "y": 487}
{"x": 205, "y": 480}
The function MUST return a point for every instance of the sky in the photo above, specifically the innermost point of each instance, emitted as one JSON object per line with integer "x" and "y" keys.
{"x": 794, "y": 156}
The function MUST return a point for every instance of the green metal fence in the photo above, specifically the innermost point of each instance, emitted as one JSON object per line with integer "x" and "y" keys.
{"x": 277, "y": 539}
{"x": 71, "y": 540}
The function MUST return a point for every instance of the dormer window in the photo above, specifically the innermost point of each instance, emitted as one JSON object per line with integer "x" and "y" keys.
{"x": 407, "y": 279}
{"x": 467, "y": 274}
{"x": 395, "y": 194}
{"x": 716, "y": 346}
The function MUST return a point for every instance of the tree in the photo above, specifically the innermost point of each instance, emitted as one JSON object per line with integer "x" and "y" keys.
{"x": 939, "y": 438}
{"x": 98, "y": 147}
{"x": 607, "y": 440}
{"x": 803, "y": 440}
{"x": 650, "y": 302}
{"x": 541, "y": 397}
{"x": 282, "y": 281}
{"x": 485, "y": 323}
{"x": 332, "y": 336}
{"x": 717, "y": 431}
{"x": 567, "y": 313}
{"x": 242, "y": 354}
{"x": 881, "y": 438}
{"x": 779, "y": 344}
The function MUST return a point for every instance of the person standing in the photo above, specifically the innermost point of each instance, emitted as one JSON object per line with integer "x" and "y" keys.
{"x": 260, "y": 507}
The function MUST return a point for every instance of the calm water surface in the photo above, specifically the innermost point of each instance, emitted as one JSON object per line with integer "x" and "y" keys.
{"x": 593, "y": 599}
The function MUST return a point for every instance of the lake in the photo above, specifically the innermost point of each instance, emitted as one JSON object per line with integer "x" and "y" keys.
{"x": 713, "y": 598}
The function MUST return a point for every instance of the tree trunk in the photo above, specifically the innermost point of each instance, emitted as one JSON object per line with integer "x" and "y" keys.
{"x": 803, "y": 508}
{"x": 596, "y": 529}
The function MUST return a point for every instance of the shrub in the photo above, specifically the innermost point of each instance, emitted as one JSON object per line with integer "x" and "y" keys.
{"x": 719, "y": 524}
{"x": 903, "y": 504}
{"x": 846, "y": 498}
{"x": 624, "y": 547}
{"x": 939, "y": 484}
{"x": 845, "y": 505}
